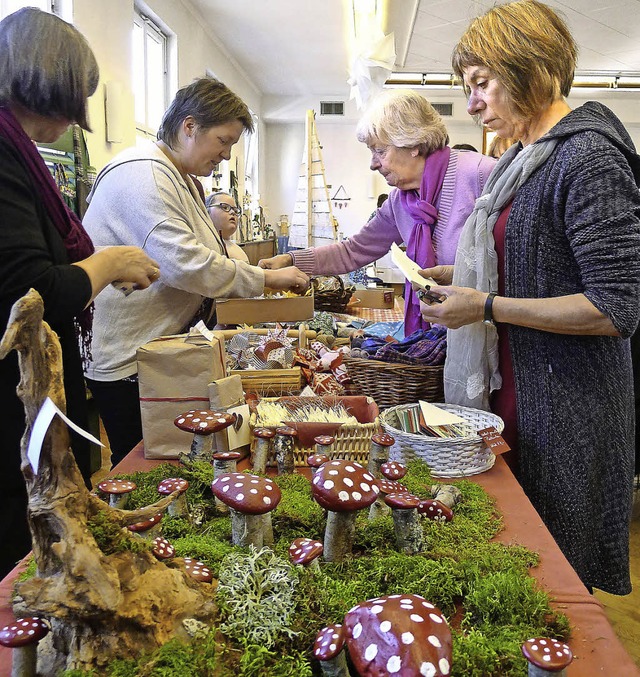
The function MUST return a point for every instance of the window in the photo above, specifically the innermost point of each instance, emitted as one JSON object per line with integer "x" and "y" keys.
{"x": 149, "y": 75}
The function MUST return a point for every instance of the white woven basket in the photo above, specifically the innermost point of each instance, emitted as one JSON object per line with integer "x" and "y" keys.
{"x": 446, "y": 457}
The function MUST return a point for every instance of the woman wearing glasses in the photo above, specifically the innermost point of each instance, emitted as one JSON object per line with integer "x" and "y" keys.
{"x": 435, "y": 189}
{"x": 224, "y": 214}
{"x": 146, "y": 196}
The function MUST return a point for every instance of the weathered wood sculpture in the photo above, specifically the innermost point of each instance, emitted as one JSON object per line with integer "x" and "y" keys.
{"x": 100, "y": 606}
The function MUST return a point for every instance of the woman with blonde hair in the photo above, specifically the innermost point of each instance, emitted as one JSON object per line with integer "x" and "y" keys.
{"x": 435, "y": 189}
{"x": 546, "y": 286}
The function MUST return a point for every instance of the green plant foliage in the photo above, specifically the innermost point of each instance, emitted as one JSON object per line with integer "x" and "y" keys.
{"x": 270, "y": 611}
{"x": 111, "y": 537}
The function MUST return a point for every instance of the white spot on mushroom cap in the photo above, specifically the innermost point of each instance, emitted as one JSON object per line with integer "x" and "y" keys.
{"x": 371, "y": 652}
{"x": 394, "y": 664}
{"x": 385, "y": 626}
{"x": 427, "y": 669}
{"x": 407, "y": 638}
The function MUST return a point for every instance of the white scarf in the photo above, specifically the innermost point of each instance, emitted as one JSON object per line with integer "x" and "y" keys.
{"x": 471, "y": 367}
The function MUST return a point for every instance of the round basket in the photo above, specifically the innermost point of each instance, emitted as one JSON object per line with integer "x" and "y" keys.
{"x": 333, "y": 301}
{"x": 391, "y": 384}
{"x": 446, "y": 457}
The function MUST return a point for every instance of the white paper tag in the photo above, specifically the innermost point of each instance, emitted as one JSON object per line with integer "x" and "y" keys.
{"x": 409, "y": 268}
{"x": 201, "y": 328}
{"x": 434, "y": 416}
{"x": 40, "y": 426}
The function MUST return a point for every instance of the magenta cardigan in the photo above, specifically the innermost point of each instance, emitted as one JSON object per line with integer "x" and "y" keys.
{"x": 463, "y": 183}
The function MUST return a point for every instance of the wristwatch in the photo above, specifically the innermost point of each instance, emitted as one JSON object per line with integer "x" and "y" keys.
{"x": 488, "y": 308}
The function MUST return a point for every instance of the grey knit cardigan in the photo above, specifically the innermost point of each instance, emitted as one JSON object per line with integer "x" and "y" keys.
{"x": 574, "y": 227}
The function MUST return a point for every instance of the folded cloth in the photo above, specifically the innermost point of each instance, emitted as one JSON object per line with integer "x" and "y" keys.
{"x": 423, "y": 347}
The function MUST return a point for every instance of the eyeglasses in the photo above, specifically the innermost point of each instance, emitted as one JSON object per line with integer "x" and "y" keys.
{"x": 228, "y": 208}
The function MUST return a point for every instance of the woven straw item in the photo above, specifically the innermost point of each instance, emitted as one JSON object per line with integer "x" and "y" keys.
{"x": 391, "y": 384}
{"x": 333, "y": 301}
{"x": 446, "y": 457}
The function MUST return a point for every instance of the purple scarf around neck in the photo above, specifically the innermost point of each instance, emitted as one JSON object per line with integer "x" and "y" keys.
{"x": 76, "y": 240}
{"x": 420, "y": 245}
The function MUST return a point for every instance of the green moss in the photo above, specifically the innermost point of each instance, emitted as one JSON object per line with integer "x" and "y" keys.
{"x": 111, "y": 537}
{"x": 484, "y": 588}
{"x": 29, "y": 572}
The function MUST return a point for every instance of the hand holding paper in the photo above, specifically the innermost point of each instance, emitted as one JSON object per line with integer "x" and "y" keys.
{"x": 410, "y": 268}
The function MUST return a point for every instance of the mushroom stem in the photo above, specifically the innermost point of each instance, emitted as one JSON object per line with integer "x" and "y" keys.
{"x": 285, "y": 460}
{"x": 378, "y": 508}
{"x": 335, "y": 667}
{"x": 339, "y": 534}
{"x": 446, "y": 493}
{"x": 408, "y": 530}
{"x": 535, "y": 671}
{"x": 323, "y": 449}
{"x": 178, "y": 508}
{"x": 378, "y": 454}
{"x": 247, "y": 529}
{"x": 24, "y": 660}
{"x": 267, "y": 535}
{"x": 201, "y": 447}
{"x": 260, "y": 456}
{"x": 118, "y": 501}
{"x": 221, "y": 466}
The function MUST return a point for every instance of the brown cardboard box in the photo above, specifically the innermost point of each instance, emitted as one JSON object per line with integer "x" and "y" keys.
{"x": 257, "y": 311}
{"x": 383, "y": 297}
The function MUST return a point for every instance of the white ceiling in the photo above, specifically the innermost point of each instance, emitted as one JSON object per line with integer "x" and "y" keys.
{"x": 299, "y": 47}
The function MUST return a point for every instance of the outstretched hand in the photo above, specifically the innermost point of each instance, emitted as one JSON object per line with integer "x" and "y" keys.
{"x": 276, "y": 262}
{"x": 288, "y": 279}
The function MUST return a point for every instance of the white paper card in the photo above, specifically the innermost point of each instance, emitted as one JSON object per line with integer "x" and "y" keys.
{"x": 40, "y": 426}
{"x": 201, "y": 328}
{"x": 435, "y": 416}
{"x": 409, "y": 268}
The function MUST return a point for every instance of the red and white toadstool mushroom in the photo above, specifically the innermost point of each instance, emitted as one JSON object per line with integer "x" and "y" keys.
{"x": 447, "y": 494}
{"x": 546, "y": 656}
{"x": 379, "y": 507}
{"x": 203, "y": 423}
{"x": 147, "y": 528}
{"x": 406, "y": 522}
{"x": 224, "y": 462}
{"x": 393, "y": 470}
{"x": 23, "y": 636}
{"x": 198, "y": 570}
{"x": 434, "y": 510}
{"x": 162, "y": 549}
{"x": 179, "y": 506}
{"x": 379, "y": 452}
{"x": 118, "y": 491}
{"x": 342, "y": 488}
{"x": 324, "y": 444}
{"x": 305, "y": 552}
{"x": 283, "y": 444}
{"x": 314, "y": 461}
{"x": 261, "y": 451}
{"x": 398, "y": 635}
{"x": 249, "y": 497}
{"x": 329, "y": 650}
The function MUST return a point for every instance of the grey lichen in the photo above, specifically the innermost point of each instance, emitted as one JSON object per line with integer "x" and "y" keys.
{"x": 256, "y": 596}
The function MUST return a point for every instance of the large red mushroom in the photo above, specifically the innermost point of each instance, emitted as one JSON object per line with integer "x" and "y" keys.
{"x": 249, "y": 497}
{"x": 23, "y": 636}
{"x": 546, "y": 656}
{"x": 342, "y": 488}
{"x": 398, "y": 635}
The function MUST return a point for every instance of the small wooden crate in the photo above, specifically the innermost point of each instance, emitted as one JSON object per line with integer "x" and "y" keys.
{"x": 352, "y": 442}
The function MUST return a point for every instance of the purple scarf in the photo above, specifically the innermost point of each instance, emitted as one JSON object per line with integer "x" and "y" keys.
{"x": 420, "y": 245}
{"x": 76, "y": 240}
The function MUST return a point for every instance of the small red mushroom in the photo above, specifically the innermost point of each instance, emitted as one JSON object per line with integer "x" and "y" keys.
{"x": 328, "y": 648}
{"x": 198, "y": 570}
{"x": 398, "y": 635}
{"x": 435, "y": 510}
{"x": 23, "y": 636}
{"x": 316, "y": 460}
{"x": 379, "y": 452}
{"x": 224, "y": 462}
{"x": 546, "y": 655}
{"x": 118, "y": 491}
{"x": 342, "y": 488}
{"x": 324, "y": 444}
{"x": 162, "y": 549}
{"x": 261, "y": 451}
{"x": 203, "y": 423}
{"x": 147, "y": 528}
{"x": 393, "y": 470}
{"x": 447, "y": 494}
{"x": 283, "y": 445}
{"x": 179, "y": 506}
{"x": 379, "y": 507}
{"x": 406, "y": 522}
{"x": 249, "y": 497}
{"x": 305, "y": 552}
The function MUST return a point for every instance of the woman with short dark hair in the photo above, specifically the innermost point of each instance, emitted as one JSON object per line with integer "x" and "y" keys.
{"x": 551, "y": 254}
{"x": 147, "y": 196}
{"x": 48, "y": 71}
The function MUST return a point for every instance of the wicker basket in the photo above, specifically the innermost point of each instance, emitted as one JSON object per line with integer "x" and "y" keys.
{"x": 391, "y": 384}
{"x": 332, "y": 301}
{"x": 446, "y": 457}
{"x": 352, "y": 442}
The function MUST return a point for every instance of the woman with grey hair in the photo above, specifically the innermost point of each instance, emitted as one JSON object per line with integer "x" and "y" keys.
{"x": 435, "y": 189}
{"x": 551, "y": 255}
{"x": 48, "y": 72}
{"x": 146, "y": 196}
